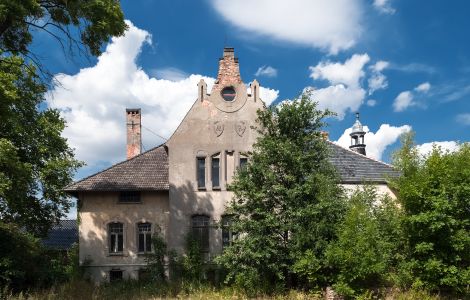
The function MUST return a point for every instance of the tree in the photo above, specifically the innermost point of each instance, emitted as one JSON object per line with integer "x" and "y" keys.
{"x": 35, "y": 160}
{"x": 434, "y": 191}
{"x": 94, "y": 21}
{"x": 369, "y": 238}
{"x": 286, "y": 200}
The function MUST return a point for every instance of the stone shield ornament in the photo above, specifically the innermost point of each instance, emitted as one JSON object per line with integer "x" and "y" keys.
{"x": 240, "y": 127}
{"x": 218, "y": 128}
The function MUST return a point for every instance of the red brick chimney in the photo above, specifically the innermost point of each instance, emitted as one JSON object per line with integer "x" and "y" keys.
{"x": 134, "y": 126}
{"x": 229, "y": 71}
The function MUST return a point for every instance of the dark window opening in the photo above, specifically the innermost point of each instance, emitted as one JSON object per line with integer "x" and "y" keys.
{"x": 243, "y": 162}
{"x": 215, "y": 172}
{"x": 228, "y": 93}
{"x": 144, "y": 233}
{"x": 129, "y": 197}
{"x": 115, "y": 275}
{"x": 116, "y": 238}
{"x": 201, "y": 172}
{"x": 200, "y": 230}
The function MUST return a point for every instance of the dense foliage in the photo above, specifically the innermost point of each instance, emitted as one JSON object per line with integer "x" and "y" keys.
{"x": 434, "y": 192}
{"x": 286, "y": 202}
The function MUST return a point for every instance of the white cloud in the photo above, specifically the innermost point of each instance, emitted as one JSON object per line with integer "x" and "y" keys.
{"x": 93, "y": 101}
{"x": 463, "y": 118}
{"x": 267, "y": 71}
{"x": 377, "y": 80}
{"x": 426, "y": 148}
{"x": 403, "y": 101}
{"x": 332, "y": 25}
{"x": 384, "y": 6}
{"x": 345, "y": 92}
{"x": 371, "y": 102}
{"x": 423, "y": 87}
{"x": 377, "y": 142}
{"x": 406, "y": 99}
{"x": 413, "y": 68}
{"x": 170, "y": 73}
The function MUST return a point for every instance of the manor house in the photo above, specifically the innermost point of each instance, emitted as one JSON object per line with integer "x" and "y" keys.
{"x": 181, "y": 186}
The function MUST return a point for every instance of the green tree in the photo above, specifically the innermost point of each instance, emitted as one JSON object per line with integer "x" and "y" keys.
{"x": 434, "y": 191}
{"x": 35, "y": 160}
{"x": 93, "y": 21}
{"x": 369, "y": 238}
{"x": 286, "y": 201}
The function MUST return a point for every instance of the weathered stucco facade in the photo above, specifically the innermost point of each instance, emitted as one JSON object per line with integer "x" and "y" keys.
{"x": 182, "y": 185}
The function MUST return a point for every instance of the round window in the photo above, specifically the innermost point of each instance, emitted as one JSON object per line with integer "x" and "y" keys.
{"x": 228, "y": 93}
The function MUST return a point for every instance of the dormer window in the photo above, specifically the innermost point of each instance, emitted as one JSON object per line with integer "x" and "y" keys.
{"x": 228, "y": 93}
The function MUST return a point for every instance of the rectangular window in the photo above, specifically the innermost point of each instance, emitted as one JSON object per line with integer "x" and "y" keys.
{"x": 200, "y": 230}
{"x": 144, "y": 237}
{"x": 201, "y": 172}
{"x": 243, "y": 162}
{"x": 227, "y": 233}
{"x": 116, "y": 238}
{"x": 115, "y": 275}
{"x": 129, "y": 197}
{"x": 215, "y": 172}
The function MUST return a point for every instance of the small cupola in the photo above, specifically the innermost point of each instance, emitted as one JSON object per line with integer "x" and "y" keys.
{"x": 357, "y": 137}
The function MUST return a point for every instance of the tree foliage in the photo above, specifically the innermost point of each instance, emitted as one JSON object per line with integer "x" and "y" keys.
{"x": 434, "y": 191}
{"x": 93, "y": 21}
{"x": 35, "y": 161}
{"x": 286, "y": 201}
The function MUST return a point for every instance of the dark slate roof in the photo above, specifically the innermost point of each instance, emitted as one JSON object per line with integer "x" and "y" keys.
{"x": 356, "y": 168}
{"x": 145, "y": 172}
{"x": 149, "y": 171}
{"x": 62, "y": 236}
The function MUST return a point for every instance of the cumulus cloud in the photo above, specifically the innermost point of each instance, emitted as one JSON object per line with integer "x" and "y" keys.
{"x": 345, "y": 92}
{"x": 332, "y": 25}
{"x": 407, "y": 99}
{"x": 426, "y": 148}
{"x": 377, "y": 142}
{"x": 267, "y": 71}
{"x": 377, "y": 80}
{"x": 170, "y": 73}
{"x": 93, "y": 101}
{"x": 384, "y": 6}
{"x": 463, "y": 118}
{"x": 371, "y": 102}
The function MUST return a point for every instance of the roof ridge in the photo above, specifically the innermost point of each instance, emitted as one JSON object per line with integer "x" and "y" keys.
{"x": 364, "y": 156}
{"x": 112, "y": 166}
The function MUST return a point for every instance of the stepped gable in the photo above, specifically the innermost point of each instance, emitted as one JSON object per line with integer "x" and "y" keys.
{"x": 357, "y": 168}
{"x": 145, "y": 172}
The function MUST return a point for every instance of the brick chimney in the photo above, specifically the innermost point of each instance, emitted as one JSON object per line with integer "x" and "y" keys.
{"x": 229, "y": 70}
{"x": 134, "y": 126}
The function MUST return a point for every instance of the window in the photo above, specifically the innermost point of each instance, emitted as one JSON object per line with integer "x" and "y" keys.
{"x": 129, "y": 197}
{"x": 227, "y": 233}
{"x": 201, "y": 172}
{"x": 228, "y": 93}
{"x": 115, "y": 275}
{"x": 243, "y": 162}
{"x": 200, "y": 230}
{"x": 215, "y": 172}
{"x": 116, "y": 238}
{"x": 144, "y": 237}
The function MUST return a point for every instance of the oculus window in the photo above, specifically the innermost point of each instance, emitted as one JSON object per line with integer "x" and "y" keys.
{"x": 228, "y": 93}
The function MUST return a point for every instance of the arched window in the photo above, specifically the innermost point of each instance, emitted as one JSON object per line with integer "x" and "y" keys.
{"x": 144, "y": 237}
{"x": 116, "y": 237}
{"x": 200, "y": 231}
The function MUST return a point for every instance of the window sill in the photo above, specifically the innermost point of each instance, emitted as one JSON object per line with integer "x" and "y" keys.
{"x": 201, "y": 189}
{"x": 216, "y": 188}
{"x": 119, "y": 202}
{"x": 116, "y": 254}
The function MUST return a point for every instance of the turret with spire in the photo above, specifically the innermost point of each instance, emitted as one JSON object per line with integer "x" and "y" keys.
{"x": 357, "y": 137}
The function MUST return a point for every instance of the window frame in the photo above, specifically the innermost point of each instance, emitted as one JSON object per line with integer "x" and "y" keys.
{"x": 199, "y": 173}
{"x": 130, "y": 195}
{"x": 218, "y": 158}
{"x": 147, "y": 240}
{"x": 119, "y": 278}
{"x": 201, "y": 232}
{"x": 114, "y": 249}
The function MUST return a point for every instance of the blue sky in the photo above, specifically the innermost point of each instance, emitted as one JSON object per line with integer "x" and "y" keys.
{"x": 403, "y": 64}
